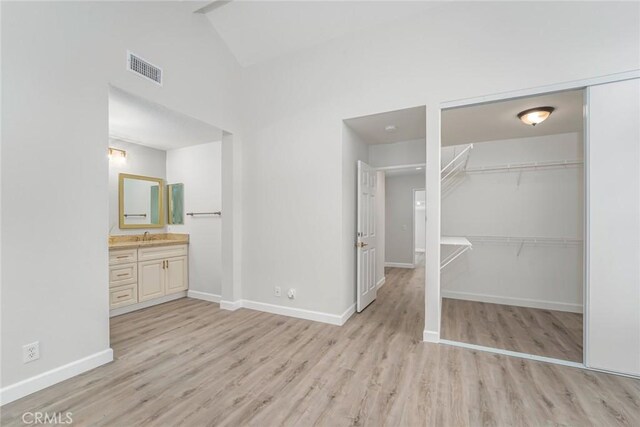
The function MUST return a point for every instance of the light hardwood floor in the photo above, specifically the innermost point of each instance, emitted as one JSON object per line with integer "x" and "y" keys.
{"x": 189, "y": 363}
{"x": 549, "y": 333}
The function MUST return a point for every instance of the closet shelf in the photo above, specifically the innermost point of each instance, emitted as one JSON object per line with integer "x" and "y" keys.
{"x": 526, "y": 239}
{"x": 455, "y": 166}
{"x": 526, "y": 166}
{"x": 462, "y": 244}
{"x": 522, "y": 240}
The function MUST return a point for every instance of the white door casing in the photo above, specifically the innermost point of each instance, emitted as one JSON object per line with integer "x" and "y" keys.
{"x": 366, "y": 236}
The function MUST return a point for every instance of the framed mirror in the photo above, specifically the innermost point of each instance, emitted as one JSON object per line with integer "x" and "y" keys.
{"x": 175, "y": 203}
{"x": 140, "y": 201}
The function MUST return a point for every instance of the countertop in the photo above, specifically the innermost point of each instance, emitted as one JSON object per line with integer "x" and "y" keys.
{"x": 131, "y": 241}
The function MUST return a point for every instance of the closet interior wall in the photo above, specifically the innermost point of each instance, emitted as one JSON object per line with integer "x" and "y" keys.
{"x": 525, "y": 224}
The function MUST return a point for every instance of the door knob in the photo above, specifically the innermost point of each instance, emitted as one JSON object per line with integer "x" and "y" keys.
{"x": 361, "y": 244}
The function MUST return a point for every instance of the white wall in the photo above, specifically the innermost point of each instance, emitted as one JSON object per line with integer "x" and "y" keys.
{"x": 141, "y": 160}
{"x": 57, "y": 61}
{"x": 294, "y": 107}
{"x": 419, "y": 225}
{"x": 399, "y": 153}
{"x": 546, "y": 203}
{"x": 399, "y": 231}
{"x": 199, "y": 168}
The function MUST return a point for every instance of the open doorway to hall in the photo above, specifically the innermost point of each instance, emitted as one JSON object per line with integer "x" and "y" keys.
{"x": 384, "y": 172}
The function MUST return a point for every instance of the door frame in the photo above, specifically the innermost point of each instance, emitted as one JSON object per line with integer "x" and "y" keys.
{"x": 413, "y": 223}
{"x": 434, "y": 336}
{"x": 413, "y": 211}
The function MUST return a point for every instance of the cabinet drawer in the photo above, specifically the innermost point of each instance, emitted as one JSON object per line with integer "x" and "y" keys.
{"x": 123, "y": 274}
{"x": 123, "y": 295}
{"x": 123, "y": 256}
{"x": 161, "y": 252}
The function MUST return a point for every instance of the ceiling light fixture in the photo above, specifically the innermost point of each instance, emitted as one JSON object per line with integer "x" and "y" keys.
{"x": 533, "y": 116}
{"x": 391, "y": 128}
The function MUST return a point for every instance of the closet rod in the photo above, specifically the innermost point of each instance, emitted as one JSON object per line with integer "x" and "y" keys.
{"x": 534, "y": 166}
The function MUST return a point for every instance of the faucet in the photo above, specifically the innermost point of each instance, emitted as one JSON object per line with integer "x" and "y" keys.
{"x": 144, "y": 236}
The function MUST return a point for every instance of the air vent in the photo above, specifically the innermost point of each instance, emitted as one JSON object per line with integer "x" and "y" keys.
{"x": 144, "y": 68}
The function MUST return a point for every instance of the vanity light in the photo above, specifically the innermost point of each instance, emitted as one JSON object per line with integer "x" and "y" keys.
{"x": 117, "y": 155}
{"x": 533, "y": 116}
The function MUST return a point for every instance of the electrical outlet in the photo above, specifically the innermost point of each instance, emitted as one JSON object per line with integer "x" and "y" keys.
{"x": 277, "y": 291}
{"x": 31, "y": 352}
{"x": 292, "y": 293}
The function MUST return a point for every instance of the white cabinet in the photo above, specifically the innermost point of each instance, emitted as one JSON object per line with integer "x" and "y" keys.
{"x": 151, "y": 279}
{"x": 147, "y": 273}
{"x": 613, "y": 300}
{"x": 177, "y": 278}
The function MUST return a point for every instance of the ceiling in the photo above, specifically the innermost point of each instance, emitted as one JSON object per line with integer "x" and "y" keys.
{"x": 143, "y": 122}
{"x": 257, "y": 31}
{"x": 410, "y": 124}
{"x": 498, "y": 120}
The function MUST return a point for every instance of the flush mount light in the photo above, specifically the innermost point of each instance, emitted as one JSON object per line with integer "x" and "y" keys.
{"x": 118, "y": 155}
{"x": 391, "y": 128}
{"x": 533, "y": 116}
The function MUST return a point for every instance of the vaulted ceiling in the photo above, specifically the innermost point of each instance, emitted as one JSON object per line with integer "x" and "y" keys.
{"x": 257, "y": 31}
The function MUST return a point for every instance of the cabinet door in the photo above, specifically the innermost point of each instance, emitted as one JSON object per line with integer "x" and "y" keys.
{"x": 177, "y": 275}
{"x": 151, "y": 279}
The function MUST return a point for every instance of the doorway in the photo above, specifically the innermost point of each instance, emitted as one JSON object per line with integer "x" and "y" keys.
{"x": 512, "y": 224}
{"x": 165, "y": 208}
{"x": 385, "y": 156}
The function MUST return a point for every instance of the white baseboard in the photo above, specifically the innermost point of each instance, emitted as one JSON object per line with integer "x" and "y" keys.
{"x": 145, "y": 304}
{"x": 381, "y": 282}
{"x": 230, "y": 305}
{"x": 347, "y": 314}
{"x": 300, "y": 313}
{"x": 430, "y": 336}
{"x": 399, "y": 265}
{"x": 206, "y": 296}
{"x": 518, "y": 302}
{"x": 54, "y": 376}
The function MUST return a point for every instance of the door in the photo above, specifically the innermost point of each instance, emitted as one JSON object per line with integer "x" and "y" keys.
{"x": 151, "y": 278}
{"x": 613, "y": 228}
{"x": 366, "y": 236}
{"x": 177, "y": 271}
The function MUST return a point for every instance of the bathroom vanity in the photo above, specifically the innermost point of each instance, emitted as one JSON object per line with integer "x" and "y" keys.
{"x": 147, "y": 269}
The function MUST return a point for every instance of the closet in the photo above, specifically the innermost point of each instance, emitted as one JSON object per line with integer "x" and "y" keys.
{"x": 512, "y": 226}
{"x": 542, "y": 230}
